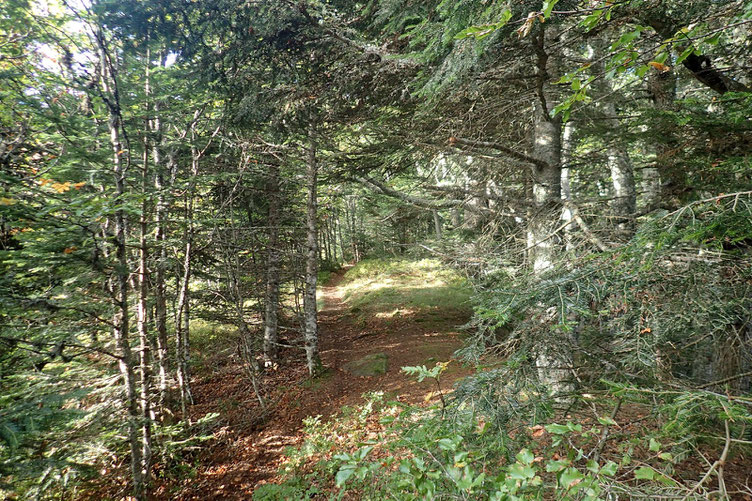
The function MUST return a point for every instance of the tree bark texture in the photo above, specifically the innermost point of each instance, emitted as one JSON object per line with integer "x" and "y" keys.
{"x": 271, "y": 298}
{"x": 312, "y": 264}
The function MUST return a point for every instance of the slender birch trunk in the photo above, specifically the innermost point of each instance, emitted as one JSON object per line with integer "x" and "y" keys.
{"x": 271, "y": 302}
{"x": 567, "y": 218}
{"x": 624, "y": 203}
{"x": 160, "y": 241}
{"x": 121, "y": 322}
{"x": 312, "y": 264}
{"x": 342, "y": 248}
{"x": 624, "y": 197}
{"x": 183, "y": 320}
{"x": 142, "y": 310}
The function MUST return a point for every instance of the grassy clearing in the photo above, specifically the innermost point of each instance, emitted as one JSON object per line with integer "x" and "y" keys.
{"x": 207, "y": 337}
{"x": 394, "y": 287}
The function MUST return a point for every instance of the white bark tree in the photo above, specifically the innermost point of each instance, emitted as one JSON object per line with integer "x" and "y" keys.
{"x": 311, "y": 336}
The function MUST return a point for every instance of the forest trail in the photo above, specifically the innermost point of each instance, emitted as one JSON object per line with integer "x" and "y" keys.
{"x": 248, "y": 453}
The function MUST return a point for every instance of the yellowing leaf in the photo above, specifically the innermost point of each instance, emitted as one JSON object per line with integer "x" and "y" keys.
{"x": 69, "y": 250}
{"x": 523, "y": 30}
{"x": 481, "y": 425}
{"x": 80, "y": 185}
{"x": 7, "y": 201}
{"x": 660, "y": 66}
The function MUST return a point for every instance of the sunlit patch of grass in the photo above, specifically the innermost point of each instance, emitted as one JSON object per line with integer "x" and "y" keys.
{"x": 209, "y": 337}
{"x": 394, "y": 288}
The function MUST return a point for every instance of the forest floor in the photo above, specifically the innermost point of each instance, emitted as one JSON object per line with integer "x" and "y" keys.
{"x": 249, "y": 448}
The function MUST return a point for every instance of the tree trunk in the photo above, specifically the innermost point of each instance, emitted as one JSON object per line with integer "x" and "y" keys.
{"x": 271, "y": 300}
{"x": 342, "y": 248}
{"x": 624, "y": 203}
{"x": 312, "y": 264}
{"x": 436, "y": 224}
{"x": 121, "y": 325}
{"x": 160, "y": 295}
{"x": 333, "y": 236}
{"x": 662, "y": 89}
{"x": 182, "y": 324}
{"x": 456, "y": 218}
{"x": 183, "y": 320}
{"x": 552, "y": 357}
{"x": 142, "y": 314}
{"x": 543, "y": 244}
{"x": 567, "y": 218}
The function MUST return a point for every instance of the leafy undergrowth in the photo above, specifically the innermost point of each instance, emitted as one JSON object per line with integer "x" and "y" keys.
{"x": 395, "y": 288}
{"x": 656, "y": 406}
{"x": 248, "y": 447}
{"x": 617, "y": 449}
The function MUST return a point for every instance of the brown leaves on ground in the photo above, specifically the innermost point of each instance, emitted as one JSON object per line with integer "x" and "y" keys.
{"x": 250, "y": 449}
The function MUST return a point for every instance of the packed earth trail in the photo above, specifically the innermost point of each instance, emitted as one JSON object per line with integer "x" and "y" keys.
{"x": 249, "y": 447}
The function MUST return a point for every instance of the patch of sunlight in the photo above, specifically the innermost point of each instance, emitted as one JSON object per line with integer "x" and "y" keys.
{"x": 388, "y": 283}
{"x": 398, "y": 312}
{"x": 381, "y": 287}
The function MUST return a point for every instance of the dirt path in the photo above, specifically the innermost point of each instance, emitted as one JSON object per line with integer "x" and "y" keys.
{"x": 249, "y": 452}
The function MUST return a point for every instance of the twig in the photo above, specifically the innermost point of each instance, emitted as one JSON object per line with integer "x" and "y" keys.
{"x": 718, "y": 465}
{"x": 605, "y": 433}
{"x": 584, "y": 227}
{"x": 712, "y": 199}
{"x": 725, "y": 380}
{"x": 500, "y": 147}
{"x": 434, "y": 251}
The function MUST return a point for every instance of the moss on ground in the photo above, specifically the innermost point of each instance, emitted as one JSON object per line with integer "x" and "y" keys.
{"x": 374, "y": 364}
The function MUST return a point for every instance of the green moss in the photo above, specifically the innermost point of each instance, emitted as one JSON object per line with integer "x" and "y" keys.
{"x": 322, "y": 377}
{"x": 374, "y": 364}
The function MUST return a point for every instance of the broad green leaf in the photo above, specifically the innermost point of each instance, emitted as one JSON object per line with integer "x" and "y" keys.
{"x": 609, "y": 469}
{"x": 548, "y": 7}
{"x": 570, "y": 477}
{"x": 666, "y": 456}
{"x": 525, "y": 456}
{"x": 557, "y": 465}
{"x": 482, "y": 31}
{"x": 344, "y": 474}
{"x": 644, "y": 473}
{"x": 519, "y": 471}
{"x": 606, "y": 420}
{"x": 685, "y": 54}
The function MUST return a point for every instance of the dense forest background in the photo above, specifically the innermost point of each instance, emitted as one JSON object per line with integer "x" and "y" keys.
{"x": 584, "y": 166}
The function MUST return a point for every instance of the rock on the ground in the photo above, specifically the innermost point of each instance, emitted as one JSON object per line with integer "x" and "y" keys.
{"x": 370, "y": 365}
